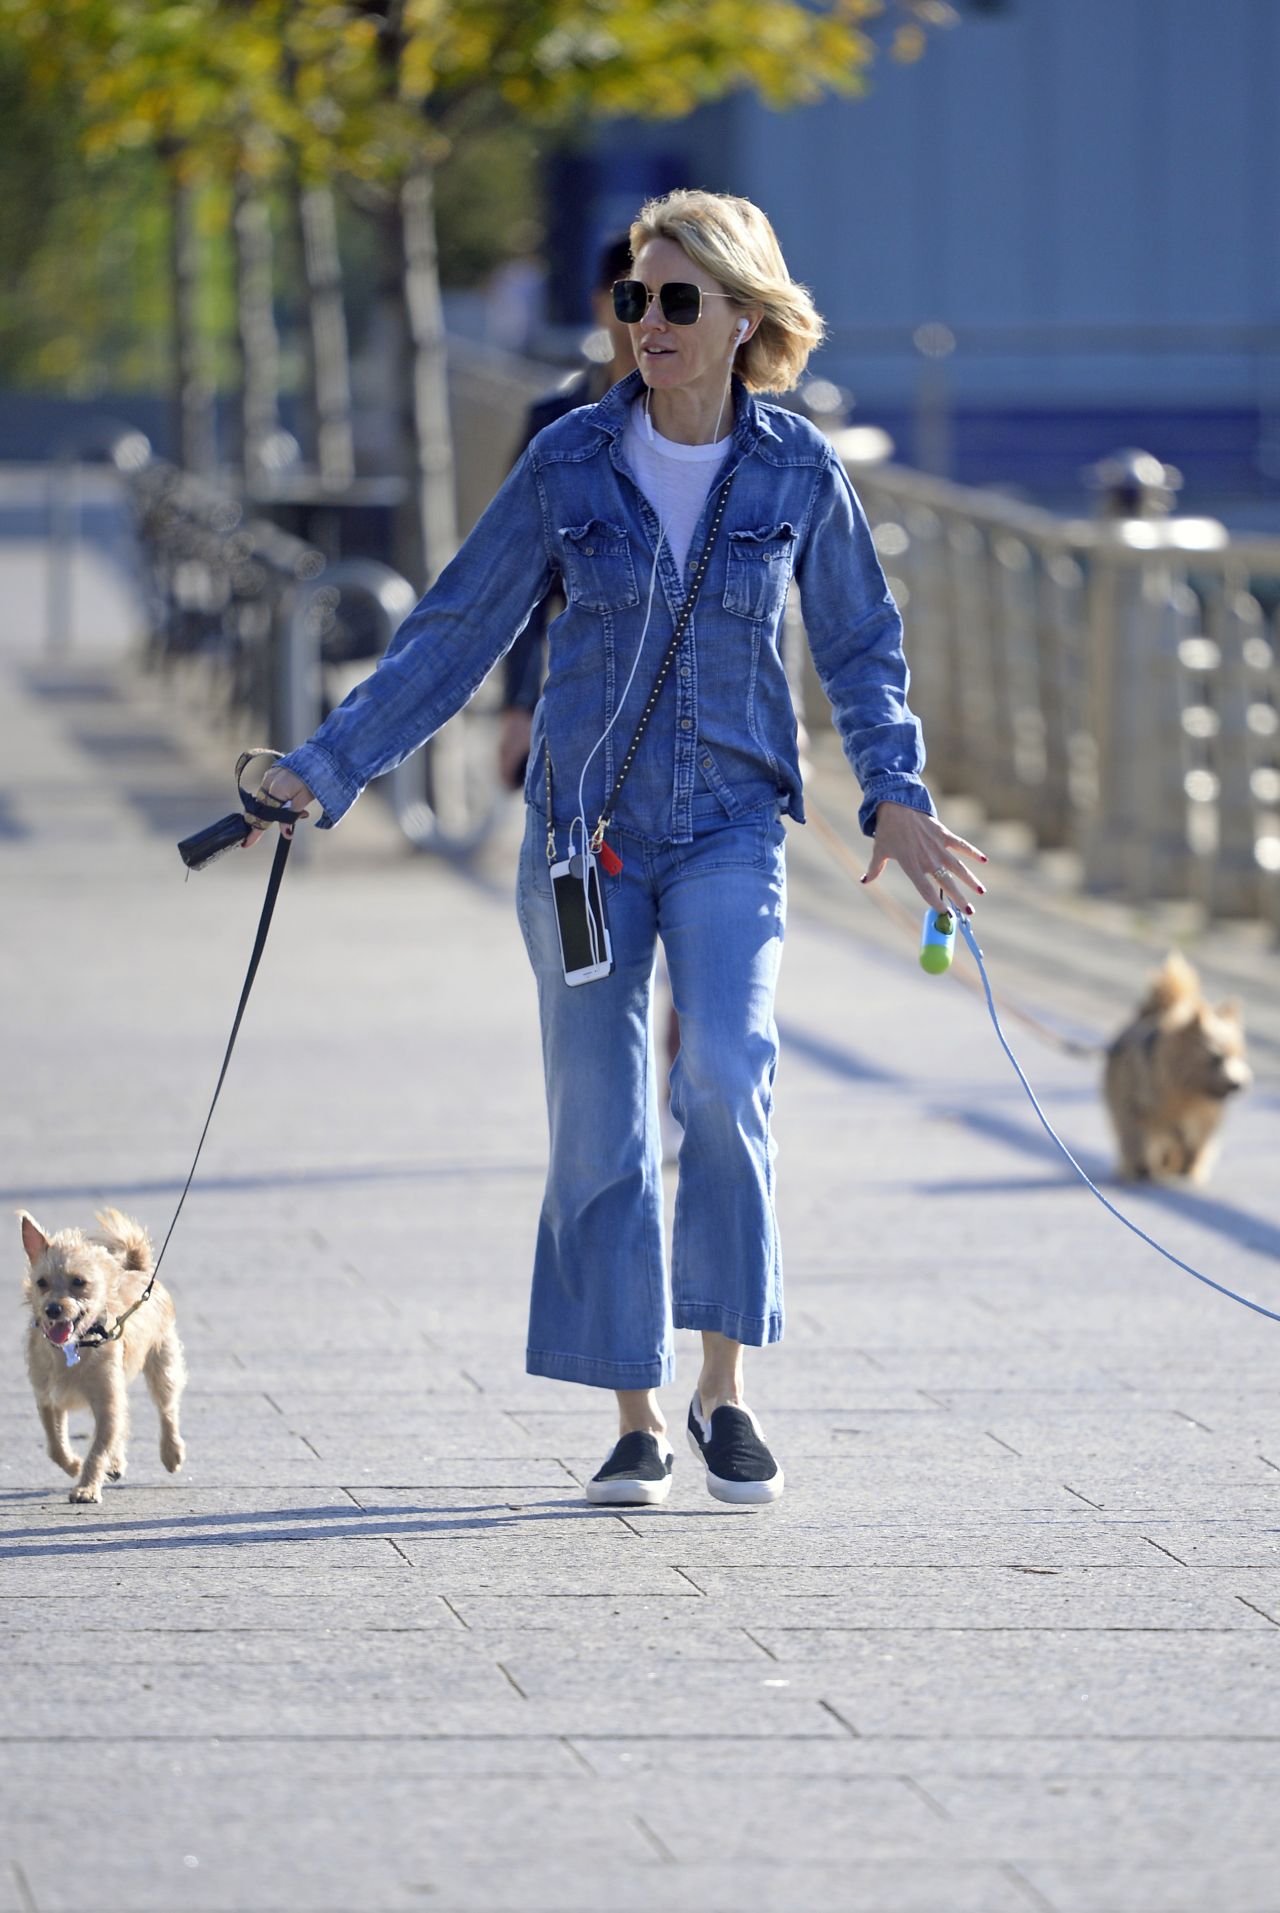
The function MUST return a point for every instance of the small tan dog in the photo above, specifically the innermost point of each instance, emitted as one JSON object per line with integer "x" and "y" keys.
{"x": 1168, "y": 1074}
{"x": 79, "y": 1283}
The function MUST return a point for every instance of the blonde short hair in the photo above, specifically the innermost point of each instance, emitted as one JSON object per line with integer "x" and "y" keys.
{"x": 733, "y": 241}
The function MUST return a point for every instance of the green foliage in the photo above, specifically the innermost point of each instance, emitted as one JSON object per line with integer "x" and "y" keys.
{"x": 487, "y": 200}
{"x": 102, "y": 100}
{"x": 83, "y": 295}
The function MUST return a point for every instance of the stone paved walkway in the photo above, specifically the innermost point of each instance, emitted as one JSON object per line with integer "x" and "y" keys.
{"x": 1010, "y": 1642}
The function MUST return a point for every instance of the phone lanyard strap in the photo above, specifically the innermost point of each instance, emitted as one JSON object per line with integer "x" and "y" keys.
{"x": 606, "y": 815}
{"x": 551, "y": 816}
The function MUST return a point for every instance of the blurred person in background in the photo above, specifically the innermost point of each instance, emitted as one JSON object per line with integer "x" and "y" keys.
{"x": 515, "y": 297}
{"x": 628, "y": 503}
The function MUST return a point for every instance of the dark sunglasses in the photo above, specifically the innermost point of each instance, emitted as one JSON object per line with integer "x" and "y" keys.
{"x": 681, "y": 304}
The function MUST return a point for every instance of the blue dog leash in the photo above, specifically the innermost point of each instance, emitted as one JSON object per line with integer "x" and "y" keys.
{"x": 1243, "y": 1300}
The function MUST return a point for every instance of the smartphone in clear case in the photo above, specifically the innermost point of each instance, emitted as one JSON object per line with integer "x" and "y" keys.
{"x": 585, "y": 949}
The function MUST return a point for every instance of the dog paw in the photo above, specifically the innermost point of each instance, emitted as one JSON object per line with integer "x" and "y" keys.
{"x": 85, "y": 1492}
{"x": 173, "y": 1452}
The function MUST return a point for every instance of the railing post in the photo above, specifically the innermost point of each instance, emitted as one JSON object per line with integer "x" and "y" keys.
{"x": 1136, "y": 841}
{"x": 978, "y": 686}
{"x": 931, "y": 649}
{"x": 1070, "y": 760}
{"x": 1231, "y": 877}
{"x": 1021, "y": 715}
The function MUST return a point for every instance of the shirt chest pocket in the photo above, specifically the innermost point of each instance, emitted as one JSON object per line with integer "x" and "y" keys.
{"x": 598, "y": 572}
{"x": 759, "y": 571}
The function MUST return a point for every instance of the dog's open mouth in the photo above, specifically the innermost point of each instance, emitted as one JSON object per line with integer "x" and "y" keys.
{"x": 60, "y": 1332}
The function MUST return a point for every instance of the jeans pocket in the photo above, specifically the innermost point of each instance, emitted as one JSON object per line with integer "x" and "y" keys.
{"x": 750, "y": 844}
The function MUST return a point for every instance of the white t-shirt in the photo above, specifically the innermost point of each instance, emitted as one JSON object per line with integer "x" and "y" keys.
{"x": 674, "y": 478}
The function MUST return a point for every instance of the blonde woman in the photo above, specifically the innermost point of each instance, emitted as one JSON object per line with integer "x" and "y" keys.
{"x": 679, "y": 505}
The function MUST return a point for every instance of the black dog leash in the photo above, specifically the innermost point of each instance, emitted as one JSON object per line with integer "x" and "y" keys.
{"x": 196, "y": 852}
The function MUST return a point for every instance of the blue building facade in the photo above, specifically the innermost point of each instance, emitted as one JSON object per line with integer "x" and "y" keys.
{"x": 1058, "y": 232}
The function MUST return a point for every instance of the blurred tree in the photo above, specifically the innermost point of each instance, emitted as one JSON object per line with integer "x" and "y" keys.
{"x": 377, "y": 92}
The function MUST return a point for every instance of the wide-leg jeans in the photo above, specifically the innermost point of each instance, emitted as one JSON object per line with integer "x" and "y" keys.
{"x": 602, "y": 1311}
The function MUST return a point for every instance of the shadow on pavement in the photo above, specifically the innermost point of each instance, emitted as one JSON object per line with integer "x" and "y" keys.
{"x": 253, "y": 1529}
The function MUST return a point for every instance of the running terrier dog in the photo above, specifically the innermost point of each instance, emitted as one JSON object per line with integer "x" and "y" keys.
{"x": 1168, "y": 1075}
{"x": 76, "y": 1286}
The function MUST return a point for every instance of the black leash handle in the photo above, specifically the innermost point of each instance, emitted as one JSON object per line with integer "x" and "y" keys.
{"x": 283, "y": 846}
{"x": 255, "y": 813}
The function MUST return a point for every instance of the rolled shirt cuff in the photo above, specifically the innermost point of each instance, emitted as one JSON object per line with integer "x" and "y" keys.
{"x": 332, "y": 783}
{"x": 897, "y": 788}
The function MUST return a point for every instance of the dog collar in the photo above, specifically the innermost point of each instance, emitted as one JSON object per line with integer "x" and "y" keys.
{"x": 94, "y": 1335}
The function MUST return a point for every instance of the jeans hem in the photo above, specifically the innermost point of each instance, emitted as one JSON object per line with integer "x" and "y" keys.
{"x": 597, "y": 1374}
{"x": 754, "y": 1330}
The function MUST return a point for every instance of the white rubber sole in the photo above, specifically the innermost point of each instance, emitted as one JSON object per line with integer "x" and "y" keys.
{"x": 739, "y": 1494}
{"x": 621, "y": 1493}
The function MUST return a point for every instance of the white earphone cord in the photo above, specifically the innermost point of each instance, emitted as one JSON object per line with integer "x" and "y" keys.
{"x": 580, "y": 821}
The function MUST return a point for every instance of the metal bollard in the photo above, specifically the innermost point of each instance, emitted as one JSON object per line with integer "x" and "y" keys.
{"x": 64, "y": 539}
{"x": 298, "y": 692}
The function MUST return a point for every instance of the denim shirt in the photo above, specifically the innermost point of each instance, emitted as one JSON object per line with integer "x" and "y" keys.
{"x": 571, "y": 512}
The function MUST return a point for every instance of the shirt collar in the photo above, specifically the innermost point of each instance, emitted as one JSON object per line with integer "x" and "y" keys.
{"x": 749, "y": 422}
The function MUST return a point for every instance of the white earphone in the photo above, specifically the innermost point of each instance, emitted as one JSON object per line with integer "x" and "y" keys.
{"x": 744, "y": 326}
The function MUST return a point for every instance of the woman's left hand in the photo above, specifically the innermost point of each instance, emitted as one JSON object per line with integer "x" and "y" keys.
{"x": 928, "y": 852}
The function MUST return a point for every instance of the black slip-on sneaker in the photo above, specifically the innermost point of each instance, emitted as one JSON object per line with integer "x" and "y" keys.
{"x": 739, "y": 1465}
{"x": 636, "y": 1475}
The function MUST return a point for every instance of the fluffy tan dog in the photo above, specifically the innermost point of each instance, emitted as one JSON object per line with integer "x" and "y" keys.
{"x": 77, "y": 1283}
{"x": 1168, "y": 1074}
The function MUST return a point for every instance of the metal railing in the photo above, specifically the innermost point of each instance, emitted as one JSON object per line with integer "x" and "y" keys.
{"x": 1112, "y": 684}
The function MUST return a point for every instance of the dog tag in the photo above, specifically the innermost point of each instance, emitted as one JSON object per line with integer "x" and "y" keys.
{"x": 71, "y": 1352}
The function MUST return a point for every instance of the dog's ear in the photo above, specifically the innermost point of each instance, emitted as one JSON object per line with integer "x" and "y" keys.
{"x": 34, "y": 1240}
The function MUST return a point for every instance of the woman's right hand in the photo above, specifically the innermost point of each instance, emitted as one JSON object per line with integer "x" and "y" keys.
{"x": 281, "y": 787}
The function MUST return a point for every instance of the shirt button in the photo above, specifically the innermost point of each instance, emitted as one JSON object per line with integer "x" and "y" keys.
{"x": 685, "y": 672}
{"x": 589, "y": 551}
{"x": 706, "y": 763}
{"x": 686, "y": 723}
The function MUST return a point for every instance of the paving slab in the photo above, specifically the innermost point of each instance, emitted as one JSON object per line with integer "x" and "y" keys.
{"x": 1089, "y": 1887}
